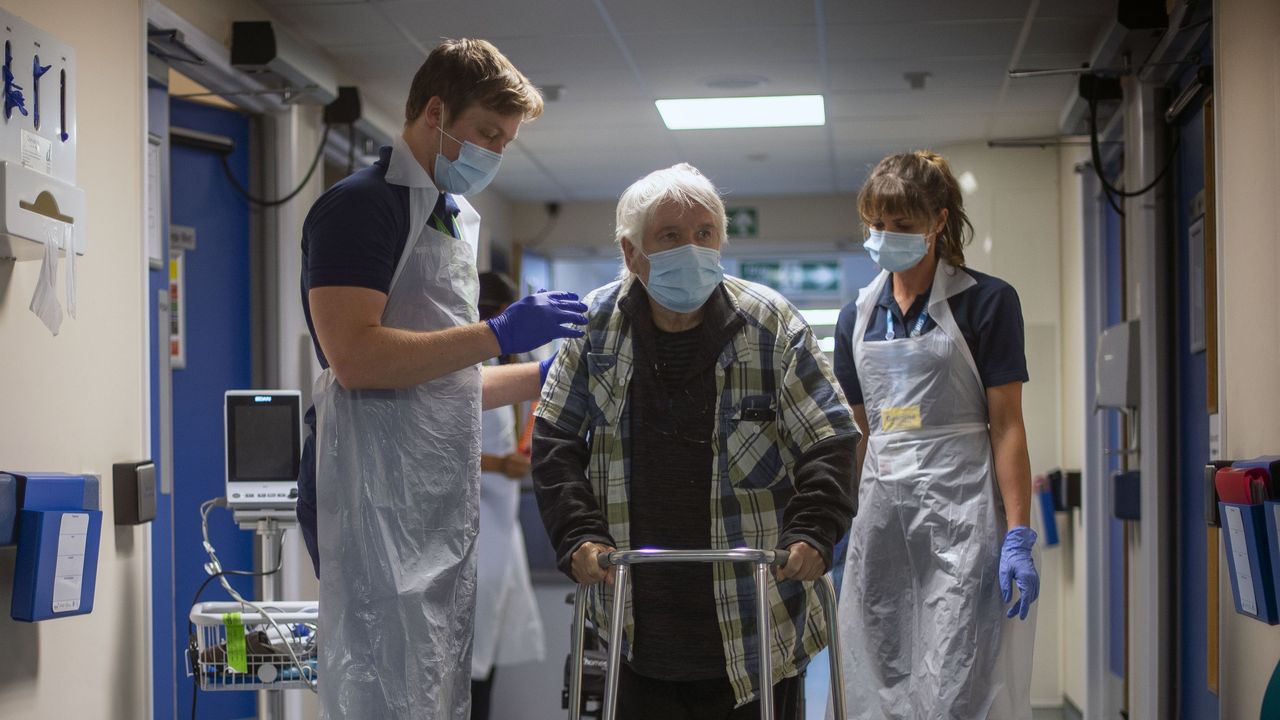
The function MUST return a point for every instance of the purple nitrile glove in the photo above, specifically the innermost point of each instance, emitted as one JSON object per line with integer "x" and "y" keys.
{"x": 1017, "y": 567}
{"x": 536, "y": 320}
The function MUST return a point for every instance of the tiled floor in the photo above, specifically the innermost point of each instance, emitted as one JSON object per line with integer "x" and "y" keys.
{"x": 817, "y": 689}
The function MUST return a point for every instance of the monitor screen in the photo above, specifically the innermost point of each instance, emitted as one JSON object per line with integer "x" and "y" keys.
{"x": 263, "y": 438}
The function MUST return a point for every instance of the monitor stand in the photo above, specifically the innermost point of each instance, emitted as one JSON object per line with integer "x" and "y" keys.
{"x": 269, "y": 525}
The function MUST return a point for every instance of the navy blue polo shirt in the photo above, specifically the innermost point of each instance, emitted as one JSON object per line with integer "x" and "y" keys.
{"x": 988, "y": 313}
{"x": 353, "y": 236}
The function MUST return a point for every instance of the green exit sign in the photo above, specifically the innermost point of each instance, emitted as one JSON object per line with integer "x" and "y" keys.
{"x": 744, "y": 222}
{"x": 794, "y": 276}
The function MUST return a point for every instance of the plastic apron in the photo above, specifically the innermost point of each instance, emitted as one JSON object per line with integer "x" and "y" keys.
{"x": 508, "y": 626}
{"x": 924, "y": 628}
{"x": 397, "y": 488}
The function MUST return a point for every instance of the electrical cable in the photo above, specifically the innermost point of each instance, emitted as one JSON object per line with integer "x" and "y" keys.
{"x": 553, "y": 214}
{"x": 214, "y": 568}
{"x": 191, "y": 627}
{"x": 1111, "y": 191}
{"x": 315, "y": 162}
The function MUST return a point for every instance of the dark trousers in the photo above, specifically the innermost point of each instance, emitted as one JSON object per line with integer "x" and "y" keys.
{"x": 643, "y": 698}
{"x": 481, "y": 691}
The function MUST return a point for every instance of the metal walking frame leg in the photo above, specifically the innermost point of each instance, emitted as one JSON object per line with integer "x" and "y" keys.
{"x": 575, "y": 647}
{"x": 617, "y": 617}
{"x": 763, "y": 559}
{"x": 764, "y": 636}
{"x": 827, "y": 596}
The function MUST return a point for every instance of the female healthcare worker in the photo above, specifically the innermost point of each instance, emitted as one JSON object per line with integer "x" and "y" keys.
{"x": 508, "y": 626}
{"x": 931, "y": 357}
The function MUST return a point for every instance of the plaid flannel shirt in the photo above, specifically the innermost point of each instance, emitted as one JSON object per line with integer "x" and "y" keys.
{"x": 773, "y": 359}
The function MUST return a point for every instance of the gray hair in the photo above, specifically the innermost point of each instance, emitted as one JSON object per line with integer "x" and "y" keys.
{"x": 682, "y": 183}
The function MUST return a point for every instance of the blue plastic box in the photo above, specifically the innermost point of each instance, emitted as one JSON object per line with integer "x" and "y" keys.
{"x": 1271, "y": 511}
{"x": 1249, "y": 560}
{"x": 42, "y": 587}
{"x": 59, "y": 528}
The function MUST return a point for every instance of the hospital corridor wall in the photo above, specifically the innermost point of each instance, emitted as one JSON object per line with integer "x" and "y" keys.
{"x": 77, "y": 402}
{"x": 1247, "y": 139}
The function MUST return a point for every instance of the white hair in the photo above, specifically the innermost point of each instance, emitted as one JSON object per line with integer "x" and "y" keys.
{"x": 682, "y": 183}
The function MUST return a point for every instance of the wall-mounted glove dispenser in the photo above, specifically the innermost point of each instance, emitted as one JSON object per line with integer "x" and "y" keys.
{"x": 42, "y": 211}
{"x": 40, "y": 200}
{"x": 1126, "y": 498}
{"x": 59, "y": 525}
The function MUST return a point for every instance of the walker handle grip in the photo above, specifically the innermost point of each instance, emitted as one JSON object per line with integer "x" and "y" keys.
{"x": 632, "y": 557}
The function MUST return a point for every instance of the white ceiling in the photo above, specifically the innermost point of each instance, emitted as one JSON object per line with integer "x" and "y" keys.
{"x": 614, "y": 57}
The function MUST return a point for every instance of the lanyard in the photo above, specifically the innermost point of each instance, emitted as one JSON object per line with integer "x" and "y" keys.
{"x": 915, "y": 330}
{"x": 442, "y": 227}
{"x": 445, "y": 221}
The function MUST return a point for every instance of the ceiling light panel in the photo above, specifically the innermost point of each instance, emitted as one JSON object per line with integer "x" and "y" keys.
{"x": 742, "y": 112}
{"x": 872, "y": 11}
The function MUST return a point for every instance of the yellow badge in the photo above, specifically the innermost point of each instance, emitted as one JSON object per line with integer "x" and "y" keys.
{"x": 900, "y": 418}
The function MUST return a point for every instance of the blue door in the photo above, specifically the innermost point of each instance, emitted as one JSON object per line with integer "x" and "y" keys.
{"x": 1193, "y": 697}
{"x": 214, "y": 300}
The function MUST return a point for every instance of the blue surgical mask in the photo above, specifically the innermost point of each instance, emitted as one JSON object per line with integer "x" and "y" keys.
{"x": 682, "y": 279}
{"x": 470, "y": 173}
{"x": 894, "y": 251}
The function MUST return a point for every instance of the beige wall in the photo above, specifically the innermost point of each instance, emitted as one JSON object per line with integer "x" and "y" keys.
{"x": 77, "y": 401}
{"x": 1014, "y": 208}
{"x": 1247, "y": 102}
{"x": 214, "y": 18}
{"x": 496, "y": 224}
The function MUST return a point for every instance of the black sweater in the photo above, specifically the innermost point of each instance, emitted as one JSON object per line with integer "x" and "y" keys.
{"x": 672, "y": 404}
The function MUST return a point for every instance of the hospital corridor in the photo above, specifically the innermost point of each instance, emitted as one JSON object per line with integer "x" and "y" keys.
{"x": 640, "y": 360}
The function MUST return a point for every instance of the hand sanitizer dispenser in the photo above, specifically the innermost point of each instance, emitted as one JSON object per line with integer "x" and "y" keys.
{"x": 59, "y": 526}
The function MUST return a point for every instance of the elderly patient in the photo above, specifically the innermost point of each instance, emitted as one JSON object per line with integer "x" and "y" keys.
{"x": 697, "y": 412}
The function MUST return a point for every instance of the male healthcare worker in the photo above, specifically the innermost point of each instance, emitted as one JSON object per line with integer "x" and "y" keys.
{"x": 390, "y": 289}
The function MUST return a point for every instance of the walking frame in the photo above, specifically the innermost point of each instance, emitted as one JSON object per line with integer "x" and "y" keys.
{"x": 762, "y": 559}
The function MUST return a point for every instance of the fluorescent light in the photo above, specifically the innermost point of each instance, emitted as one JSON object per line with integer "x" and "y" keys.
{"x": 821, "y": 317}
{"x": 742, "y": 112}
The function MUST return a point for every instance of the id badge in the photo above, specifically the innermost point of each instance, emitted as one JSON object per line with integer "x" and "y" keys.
{"x": 893, "y": 419}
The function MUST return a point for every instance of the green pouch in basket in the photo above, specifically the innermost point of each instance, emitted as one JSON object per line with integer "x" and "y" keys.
{"x": 236, "y": 658}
